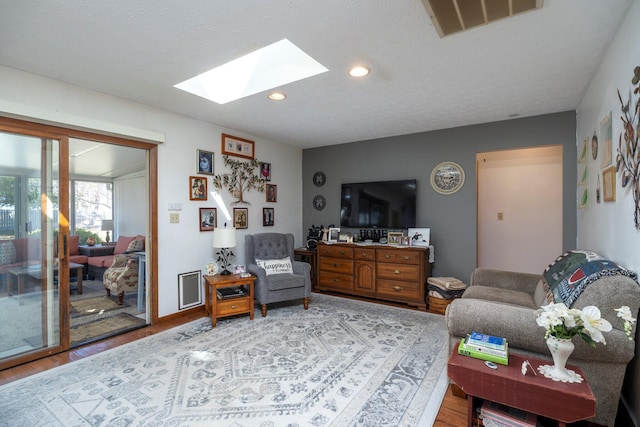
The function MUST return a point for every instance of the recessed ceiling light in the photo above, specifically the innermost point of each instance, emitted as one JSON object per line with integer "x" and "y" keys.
{"x": 358, "y": 71}
{"x": 275, "y": 65}
{"x": 277, "y": 96}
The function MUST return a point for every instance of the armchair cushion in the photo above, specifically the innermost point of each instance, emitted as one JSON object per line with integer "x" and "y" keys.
{"x": 275, "y": 266}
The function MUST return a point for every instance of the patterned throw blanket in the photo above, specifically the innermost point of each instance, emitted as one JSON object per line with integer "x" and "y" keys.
{"x": 571, "y": 272}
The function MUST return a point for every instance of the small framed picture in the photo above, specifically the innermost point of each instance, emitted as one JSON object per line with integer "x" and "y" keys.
{"x": 272, "y": 193}
{"x": 405, "y": 241}
{"x": 239, "y": 269}
{"x": 419, "y": 236}
{"x": 197, "y": 188}
{"x": 241, "y": 217}
{"x": 205, "y": 162}
{"x": 334, "y": 235}
{"x": 239, "y": 147}
{"x": 208, "y": 219}
{"x": 393, "y": 237}
{"x": 609, "y": 184}
{"x": 265, "y": 171}
{"x": 268, "y": 217}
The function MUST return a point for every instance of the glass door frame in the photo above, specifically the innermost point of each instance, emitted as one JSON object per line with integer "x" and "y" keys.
{"x": 63, "y": 134}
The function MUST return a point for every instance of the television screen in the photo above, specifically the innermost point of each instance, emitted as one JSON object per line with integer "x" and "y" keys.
{"x": 383, "y": 204}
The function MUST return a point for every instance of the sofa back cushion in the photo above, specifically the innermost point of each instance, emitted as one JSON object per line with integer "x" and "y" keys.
{"x": 123, "y": 244}
{"x": 136, "y": 244}
{"x": 74, "y": 242}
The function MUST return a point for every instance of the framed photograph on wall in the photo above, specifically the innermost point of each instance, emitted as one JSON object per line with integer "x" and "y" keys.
{"x": 239, "y": 147}
{"x": 265, "y": 171}
{"x": 268, "y": 217}
{"x": 197, "y": 188}
{"x": 241, "y": 217}
{"x": 208, "y": 219}
{"x": 204, "y": 162}
{"x": 272, "y": 193}
{"x": 609, "y": 184}
{"x": 189, "y": 289}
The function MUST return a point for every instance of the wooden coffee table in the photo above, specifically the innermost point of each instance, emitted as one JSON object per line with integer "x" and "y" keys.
{"x": 563, "y": 402}
{"x": 19, "y": 274}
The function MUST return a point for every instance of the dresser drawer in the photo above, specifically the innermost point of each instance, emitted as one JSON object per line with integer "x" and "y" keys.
{"x": 233, "y": 306}
{"x": 364, "y": 254}
{"x": 337, "y": 282}
{"x": 336, "y": 265}
{"x": 335, "y": 251}
{"x": 397, "y": 290}
{"x": 399, "y": 256}
{"x": 406, "y": 272}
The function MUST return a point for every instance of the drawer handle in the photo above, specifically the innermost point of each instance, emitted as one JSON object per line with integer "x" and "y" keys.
{"x": 387, "y": 256}
{"x": 233, "y": 306}
{"x": 334, "y": 280}
{"x": 335, "y": 264}
{"x": 407, "y": 258}
{"x": 342, "y": 252}
{"x": 397, "y": 288}
{"x": 396, "y": 271}
{"x": 364, "y": 255}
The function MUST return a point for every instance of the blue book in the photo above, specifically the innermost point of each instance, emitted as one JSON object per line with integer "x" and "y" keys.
{"x": 490, "y": 341}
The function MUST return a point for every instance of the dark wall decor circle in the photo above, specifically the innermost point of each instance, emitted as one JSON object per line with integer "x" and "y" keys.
{"x": 319, "y": 202}
{"x": 319, "y": 178}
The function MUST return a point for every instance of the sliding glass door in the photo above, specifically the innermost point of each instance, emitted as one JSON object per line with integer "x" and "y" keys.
{"x": 32, "y": 276}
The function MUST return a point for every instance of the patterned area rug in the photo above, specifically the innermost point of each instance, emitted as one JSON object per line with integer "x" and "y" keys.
{"x": 340, "y": 363}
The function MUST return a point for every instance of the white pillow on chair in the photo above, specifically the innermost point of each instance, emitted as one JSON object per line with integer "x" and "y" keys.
{"x": 276, "y": 266}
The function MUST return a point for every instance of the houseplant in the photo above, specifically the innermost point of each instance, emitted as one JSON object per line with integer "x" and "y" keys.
{"x": 562, "y": 324}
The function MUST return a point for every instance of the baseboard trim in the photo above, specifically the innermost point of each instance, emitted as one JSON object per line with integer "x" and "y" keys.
{"x": 180, "y": 314}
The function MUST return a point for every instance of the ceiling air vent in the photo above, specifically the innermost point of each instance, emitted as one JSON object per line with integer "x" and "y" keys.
{"x": 453, "y": 16}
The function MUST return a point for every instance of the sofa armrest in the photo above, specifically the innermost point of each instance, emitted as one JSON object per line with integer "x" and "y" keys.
{"x": 524, "y": 282}
{"x": 518, "y": 325}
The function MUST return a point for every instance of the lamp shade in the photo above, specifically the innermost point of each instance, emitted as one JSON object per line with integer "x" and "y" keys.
{"x": 107, "y": 225}
{"x": 224, "y": 237}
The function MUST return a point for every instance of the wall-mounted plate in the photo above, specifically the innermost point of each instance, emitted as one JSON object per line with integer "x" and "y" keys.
{"x": 319, "y": 202}
{"x": 447, "y": 178}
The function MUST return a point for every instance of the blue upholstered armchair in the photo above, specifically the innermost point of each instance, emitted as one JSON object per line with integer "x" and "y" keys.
{"x": 279, "y": 277}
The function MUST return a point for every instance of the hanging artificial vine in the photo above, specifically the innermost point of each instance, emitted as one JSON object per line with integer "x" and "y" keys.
{"x": 243, "y": 177}
{"x": 628, "y": 157}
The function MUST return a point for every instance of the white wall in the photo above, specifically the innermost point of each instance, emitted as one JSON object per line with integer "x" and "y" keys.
{"x": 181, "y": 247}
{"x": 608, "y": 228}
{"x": 525, "y": 186}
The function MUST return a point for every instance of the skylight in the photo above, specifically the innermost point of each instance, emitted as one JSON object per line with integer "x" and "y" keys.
{"x": 275, "y": 65}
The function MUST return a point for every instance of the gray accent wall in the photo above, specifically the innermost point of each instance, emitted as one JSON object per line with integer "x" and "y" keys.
{"x": 451, "y": 218}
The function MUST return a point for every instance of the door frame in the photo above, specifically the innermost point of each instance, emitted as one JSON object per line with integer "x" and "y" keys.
{"x": 63, "y": 134}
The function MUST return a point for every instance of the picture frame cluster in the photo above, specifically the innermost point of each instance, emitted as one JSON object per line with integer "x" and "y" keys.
{"x": 205, "y": 165}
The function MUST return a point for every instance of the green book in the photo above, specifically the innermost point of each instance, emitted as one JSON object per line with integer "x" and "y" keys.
{"x": 464, "y": 350}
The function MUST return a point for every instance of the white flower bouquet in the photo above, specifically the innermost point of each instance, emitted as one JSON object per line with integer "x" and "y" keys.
{"x": 565, "y": 323}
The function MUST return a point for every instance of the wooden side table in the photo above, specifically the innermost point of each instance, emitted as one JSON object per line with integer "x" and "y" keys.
{"x": 563, "y": 402}
{"x": 311, "y": 257}
{"x": 231, "y": 306}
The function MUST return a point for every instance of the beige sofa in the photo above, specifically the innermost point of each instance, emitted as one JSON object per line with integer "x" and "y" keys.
{"x": 502, "y": 303}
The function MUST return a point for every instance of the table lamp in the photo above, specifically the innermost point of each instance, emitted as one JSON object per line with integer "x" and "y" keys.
{"x": 224, "y": 238}
{"x": 107, "y": 225}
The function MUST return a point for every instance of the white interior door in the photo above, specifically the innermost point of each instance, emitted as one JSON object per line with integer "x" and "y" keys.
{"x": 519, "y": 208}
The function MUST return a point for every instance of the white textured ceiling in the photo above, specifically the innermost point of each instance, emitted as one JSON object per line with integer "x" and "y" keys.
{"x": 535, "y": 63}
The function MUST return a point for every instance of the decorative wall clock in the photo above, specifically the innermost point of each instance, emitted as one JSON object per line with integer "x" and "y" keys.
{"x": 319, "y": 178}
{"x": 447, "y": 178}
{"x": 319, "y": 202}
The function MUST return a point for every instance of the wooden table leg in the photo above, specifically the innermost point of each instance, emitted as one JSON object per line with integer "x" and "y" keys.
{"x": 79, "y": 272}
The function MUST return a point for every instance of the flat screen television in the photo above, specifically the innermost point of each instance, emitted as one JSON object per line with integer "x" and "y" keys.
{"x": 382, "y": 204}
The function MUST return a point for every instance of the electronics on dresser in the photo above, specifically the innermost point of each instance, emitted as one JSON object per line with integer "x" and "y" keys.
{"x": 381, "y": 204}
{"x": 315, "y": 233}
{"x": 312, "y": 244}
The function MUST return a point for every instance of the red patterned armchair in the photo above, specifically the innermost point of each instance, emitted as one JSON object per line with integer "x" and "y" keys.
{"x": 122, "y": 276}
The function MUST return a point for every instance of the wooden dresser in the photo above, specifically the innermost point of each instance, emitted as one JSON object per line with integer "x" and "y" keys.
{"x": 389, "y": 273}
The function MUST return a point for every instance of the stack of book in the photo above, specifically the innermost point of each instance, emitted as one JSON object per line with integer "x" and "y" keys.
{"x": 231, "y": 292}
{"x": 485, "y": 347}
{"x": 498, "y": 415}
